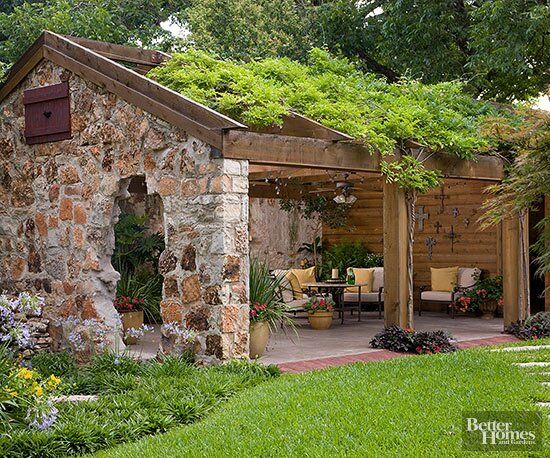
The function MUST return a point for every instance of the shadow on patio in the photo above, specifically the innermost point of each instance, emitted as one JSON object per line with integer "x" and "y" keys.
{"x": 353, "y": 337}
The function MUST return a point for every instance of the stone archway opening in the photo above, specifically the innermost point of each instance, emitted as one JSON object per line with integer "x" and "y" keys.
{"x": 139, "y": 242}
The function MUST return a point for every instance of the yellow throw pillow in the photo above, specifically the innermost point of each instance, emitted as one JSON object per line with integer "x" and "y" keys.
{"x": 444, "y": 279}
{"x": 362, "y": 276}
{"x": 295, "y": 285}
{"x": 305, "y": 275}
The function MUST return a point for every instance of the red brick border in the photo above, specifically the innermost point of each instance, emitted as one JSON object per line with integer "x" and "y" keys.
{"x": 379, "y": 355}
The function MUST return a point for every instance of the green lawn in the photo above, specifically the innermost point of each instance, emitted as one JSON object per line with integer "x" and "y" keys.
{"x": 403, "y": 407}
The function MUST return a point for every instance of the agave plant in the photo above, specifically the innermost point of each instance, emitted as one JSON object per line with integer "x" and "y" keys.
{"x": 265, "y": 290}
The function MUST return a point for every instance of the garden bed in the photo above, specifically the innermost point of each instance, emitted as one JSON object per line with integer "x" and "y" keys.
{"x": 134, "y": 400}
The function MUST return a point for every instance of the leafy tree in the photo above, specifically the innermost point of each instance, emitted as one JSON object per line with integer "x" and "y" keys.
{"x": 525, "y": 186}
{"x": 126, "y": 21}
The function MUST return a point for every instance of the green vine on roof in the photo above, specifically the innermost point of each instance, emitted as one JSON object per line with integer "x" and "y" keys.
{"x": 332, "y": 91}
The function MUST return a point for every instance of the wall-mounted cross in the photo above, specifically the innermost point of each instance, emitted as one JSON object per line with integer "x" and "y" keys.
{"x": 452, "y": 236}
{"x": 430, "y": 243}
{"x": 455, "y": 212}
{"x": 420, "y": 216}
{"x": 442, "y": 198}
{"x": 437, "y": 226}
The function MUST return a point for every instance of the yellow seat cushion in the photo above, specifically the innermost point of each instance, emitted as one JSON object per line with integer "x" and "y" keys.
{"x": 295, "y": 285}
{"x": 362, "y": 276}
{"x": 444, "y": 279}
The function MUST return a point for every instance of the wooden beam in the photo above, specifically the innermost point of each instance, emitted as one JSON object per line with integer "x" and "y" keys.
{"x": 122, "y": 53}
{"x": 296, "y": 125}
{"x": 269, "y": 149}
{"x": 22, "y": 67}
{"x": 511, "y": 259}
{"x": 395, "y": 256}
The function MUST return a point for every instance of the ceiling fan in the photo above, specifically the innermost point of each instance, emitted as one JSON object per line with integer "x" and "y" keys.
{"x": 342, "y": 190}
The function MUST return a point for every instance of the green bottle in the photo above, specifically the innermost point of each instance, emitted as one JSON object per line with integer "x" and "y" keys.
{"x": 350, "y": 278}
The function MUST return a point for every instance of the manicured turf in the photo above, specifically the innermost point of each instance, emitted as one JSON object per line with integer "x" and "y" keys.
{"x": 403, "y": 407}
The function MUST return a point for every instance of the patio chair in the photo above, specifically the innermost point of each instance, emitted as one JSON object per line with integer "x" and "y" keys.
{"x": 293, "y": 300}
{"x": 467, "y": 278}
{"x": 375, "y": 296}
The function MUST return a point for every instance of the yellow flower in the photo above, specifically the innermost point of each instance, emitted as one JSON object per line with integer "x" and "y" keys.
{"x": 13, "y": 393}
{"x": 53, "y": 381}
{"x": 25, "y": 373}
{"x": 38, "y": 390}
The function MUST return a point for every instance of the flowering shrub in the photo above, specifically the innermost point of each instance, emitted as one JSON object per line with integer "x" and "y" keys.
{"x": 180, "y": 331}
{"x": 407, "y": 340}
{"x": 535, "y": 327}
{"x": 488, "y": 289}
{"x": 14, "y": 333}
{"x": 128, "y": 304}
{"x": 25, "y": 397}
{"x": 138, "y": 333}
{"x": 319, "y": 304}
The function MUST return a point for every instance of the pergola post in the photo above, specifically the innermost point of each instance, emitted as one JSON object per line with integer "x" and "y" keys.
{"x": 395, "y": 256}
{"x": 511, "y": 271}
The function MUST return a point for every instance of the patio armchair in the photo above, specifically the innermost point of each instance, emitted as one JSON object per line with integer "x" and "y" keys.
{"x": 467, "y": 279}
{"x": 375, "y": 296}
{"x": 293, "y": 300}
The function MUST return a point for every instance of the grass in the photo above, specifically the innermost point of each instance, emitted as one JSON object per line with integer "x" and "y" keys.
{"x": 402, "y": 407}
{"x": 135, "y": 400}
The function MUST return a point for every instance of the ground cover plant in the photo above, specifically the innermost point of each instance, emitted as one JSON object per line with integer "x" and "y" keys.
{"x": 535, "y": 327}
{"x": 401, "y": 407}
{"x": 135, "y": 399}
{"x": 397, "y": 339}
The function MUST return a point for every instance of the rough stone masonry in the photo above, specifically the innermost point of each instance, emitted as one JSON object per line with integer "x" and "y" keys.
{"x": 59, "y": 206}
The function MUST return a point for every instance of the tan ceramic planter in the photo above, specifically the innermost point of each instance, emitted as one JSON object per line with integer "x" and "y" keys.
{"x": 259, "y": 335}
{"x": 131, "y": 320}
{"x": 488, "y": 308}
{"x": 320, "y": 320}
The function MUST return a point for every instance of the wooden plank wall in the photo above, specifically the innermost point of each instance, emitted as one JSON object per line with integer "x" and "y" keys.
{"x": 473, "y": 247}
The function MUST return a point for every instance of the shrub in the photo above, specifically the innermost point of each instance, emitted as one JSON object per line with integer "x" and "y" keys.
{"x": 401, "y": 340}
{"x": 394, "y": 338}
{"x": 535, "y": 327}
{"x": 348, "y": 254}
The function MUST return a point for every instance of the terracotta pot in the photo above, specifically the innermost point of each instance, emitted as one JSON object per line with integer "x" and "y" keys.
{"x": 131, "y": 320}
{"x": 320, "y": 320}
{"x": 259, "y": 335}
{"x": 488, "y": 309}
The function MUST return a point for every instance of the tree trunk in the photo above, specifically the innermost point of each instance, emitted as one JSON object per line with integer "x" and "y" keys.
{"x": 410, "y": 198}
{"x": 525, "y": 299}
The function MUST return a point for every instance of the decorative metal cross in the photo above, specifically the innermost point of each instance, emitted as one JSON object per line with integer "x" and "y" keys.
{"x": 442, "y": 198}
{"x": 430, "y": 243}
{"x": 437, "y": 226}
{"x": 455, "y": 212}
{"x": 452, "y": 236}
{"x": 420, "y": 216}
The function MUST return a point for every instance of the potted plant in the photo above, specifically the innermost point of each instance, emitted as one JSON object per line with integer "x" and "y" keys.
{"x": 485, "y": 297}
{"x": 131, "y": 315}
{"x": 267, "y": 310}
{"x": 320, "y": 311}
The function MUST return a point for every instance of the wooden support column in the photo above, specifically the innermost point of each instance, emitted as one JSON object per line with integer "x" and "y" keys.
{"x": 395, "y": 256}
{"x": 511, "y": 259}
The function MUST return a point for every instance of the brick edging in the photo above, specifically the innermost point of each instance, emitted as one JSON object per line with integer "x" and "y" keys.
{"x": 380, "y": 355}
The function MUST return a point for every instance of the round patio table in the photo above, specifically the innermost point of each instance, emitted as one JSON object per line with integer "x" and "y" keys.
{"x": 337, "y": 291}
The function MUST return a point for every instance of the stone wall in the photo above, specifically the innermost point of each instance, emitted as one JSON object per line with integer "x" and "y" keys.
{"x": 59, "y": 204}
{"x": 276, "y": 235}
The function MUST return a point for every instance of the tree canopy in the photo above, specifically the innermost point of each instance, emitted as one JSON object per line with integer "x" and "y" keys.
{"x": 498, "y": 47}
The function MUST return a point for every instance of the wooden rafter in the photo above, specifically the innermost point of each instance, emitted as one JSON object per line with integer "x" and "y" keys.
{"x": 122, "y": 53}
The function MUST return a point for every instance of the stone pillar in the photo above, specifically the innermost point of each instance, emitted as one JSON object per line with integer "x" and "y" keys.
{"x": 205, "y": 264}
